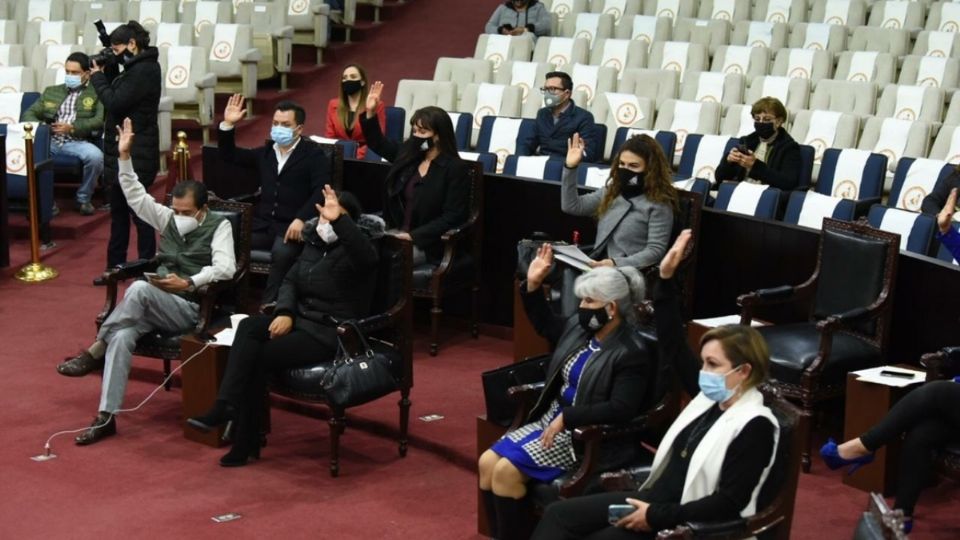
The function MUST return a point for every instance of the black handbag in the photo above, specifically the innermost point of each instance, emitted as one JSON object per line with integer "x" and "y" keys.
{"x": 359, "y": 378}
{"x": 500, "y": 408}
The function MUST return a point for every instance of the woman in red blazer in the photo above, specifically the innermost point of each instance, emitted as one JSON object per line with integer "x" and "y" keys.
{"x": 348, "y": 108}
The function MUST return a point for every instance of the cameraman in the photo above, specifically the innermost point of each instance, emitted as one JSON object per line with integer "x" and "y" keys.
{"x": 133, "y": 92}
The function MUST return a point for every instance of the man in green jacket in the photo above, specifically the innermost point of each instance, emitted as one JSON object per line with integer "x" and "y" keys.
{"x": 75, "y": 116}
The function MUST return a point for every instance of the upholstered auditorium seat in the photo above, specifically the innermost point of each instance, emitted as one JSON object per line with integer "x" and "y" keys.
{"x": 915, "y": 179}
{"x": 482, "y": 100}
{"x": 499, "y": 136}
{"x": 679, "y": 56}
{"x": 645, "y": 28}
{"x": 201, "y": 13}
{"x": 38, "y": 34}
{"x": 658, "y": 85}
{"x": 710, "y": 9}
{"x": 666, "y": 139}
{"x": 943, "y": 16}
{"x": 859, "y": 98}
{"x": 896, "y": 14}
{"x": 803, "y": 64}
{"x": 233, "y": 58}
{"x": 561, "y": 51}
{"x": 414, "y": 94}
{"x": 588, "y": 26}
{"x": 853, "y": 174}
{"x": 947, "y": 144}
{"x": 619, "y": 54}
{"x": 310, "y": 22}
{"x": 170, "y": 34}
{"x": 561, "y": 10}
{"x": 915, "y": 230}
{"x": 710, "y": 33}
{"x": 83, "y": 13}
{"x": 686, "y": 117}
{"x": 463, "y": 71}
{"x": 188, "y": 81}
{"x": 760, "y": 34}
{"x": 673, "y": 9}
{"x": 895, "y": 138}
{"x": 886, "y": 40}
{"x": 911, "y": 103}
{"x": 937, "y": 43}
{"x": 529, "y": 76}
{"x": 539, "y": 167}
{"x": 616, "y": 111}
{"x": 841, "y": 12}
{"x": 272, "y": 36}
{"x": 747, "y": 60}
{"x": 825, "y": 129}
{"x": 723, "y": 88}
{"x": 617, "y": 8}
{"x": 931, "y": 71}
{"x": 808, "y": 208}
{"x": 818, "y": 37}
{"x": 500, "y": 50}
{"x": 776, "y": 12}
{"x": 792, "y": 92}
{"x": 866, "y": 66}
{"x": 152, "y": 12}
{"x": 702, "y": 154}
{"x": 748, "y": 199}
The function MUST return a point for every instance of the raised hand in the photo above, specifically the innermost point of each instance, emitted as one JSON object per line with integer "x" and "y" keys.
{"x": 331, "y": 209}
{"x": 234, "y": 111}
{"x": 373, "y": 98}
{"x": 676, "y": 254}
{"x": 539, "y": 267}
{"x": 125, "y": 138}
{"x": 946, "y": 214}
{"x": 575, "y": 146}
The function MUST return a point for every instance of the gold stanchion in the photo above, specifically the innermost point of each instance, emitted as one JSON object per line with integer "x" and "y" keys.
{"x": 34, "y": 272}
{"x": 182, "y": 156}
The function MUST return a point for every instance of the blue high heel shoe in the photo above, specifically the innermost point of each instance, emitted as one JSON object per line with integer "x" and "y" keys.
{"x": 831, "y": 457}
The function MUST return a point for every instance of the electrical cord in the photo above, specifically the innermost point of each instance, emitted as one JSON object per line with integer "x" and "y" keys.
{"x": 46, "y": 445}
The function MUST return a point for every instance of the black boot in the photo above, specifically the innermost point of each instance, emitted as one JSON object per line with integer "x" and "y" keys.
{"x": 221, "y": 413}
{"x": 246, "y": 440}
{"x": 490, "y": 506}
{"x": 513, "y": 518}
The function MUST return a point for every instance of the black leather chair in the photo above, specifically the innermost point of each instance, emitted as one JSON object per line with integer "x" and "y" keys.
{"x": 879, "y": 522}
{"x": 777, "y": 495}
{"x": 945, "y": 365}
{"x": 459, "y": 267}
{"x": 260, "y": 259}
{"x": 391, "y": 330}
{"x": 850, "y": 295}
{"x": 216, "y": 299}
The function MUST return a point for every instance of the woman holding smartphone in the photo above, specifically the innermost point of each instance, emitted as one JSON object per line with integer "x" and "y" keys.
{"x": 717, "y": 452}
{"x": 769, "y": 155}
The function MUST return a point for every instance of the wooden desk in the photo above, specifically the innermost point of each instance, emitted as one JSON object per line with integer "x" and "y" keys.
{"x": 867, "y": 404}
{"x": 201, "y": 382}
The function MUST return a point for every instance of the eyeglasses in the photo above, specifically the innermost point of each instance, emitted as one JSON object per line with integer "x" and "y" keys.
{"x": 551, "y": 90}
{"x": 764, "y": 119}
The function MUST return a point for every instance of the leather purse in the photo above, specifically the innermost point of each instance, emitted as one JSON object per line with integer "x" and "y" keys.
{"x": 500, "y": 408}
{"x": 355, "y": 379}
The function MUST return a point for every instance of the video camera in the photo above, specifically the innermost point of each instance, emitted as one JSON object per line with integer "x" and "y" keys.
{"x": 105, "y": 57}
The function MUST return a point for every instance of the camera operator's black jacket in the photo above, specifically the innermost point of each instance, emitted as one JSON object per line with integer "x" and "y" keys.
{"x": 134, "y": 93}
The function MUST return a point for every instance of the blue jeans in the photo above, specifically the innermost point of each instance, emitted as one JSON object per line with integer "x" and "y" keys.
{"x": 92, "y": 158}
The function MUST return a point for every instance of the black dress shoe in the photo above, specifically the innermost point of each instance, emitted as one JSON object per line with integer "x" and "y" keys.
{"x": 104, "y": 425}
{"x": 79, "y": 365}
{"x": 221, "y": 413}
{"x": 239, "y": 455}
{"x": 100, "y": 281}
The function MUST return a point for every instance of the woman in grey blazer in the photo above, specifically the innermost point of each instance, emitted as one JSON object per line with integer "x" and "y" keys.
{"x": 635, "y": 208}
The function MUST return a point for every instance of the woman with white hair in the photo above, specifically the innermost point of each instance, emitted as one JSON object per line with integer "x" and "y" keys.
{"x": 600, "y": 373}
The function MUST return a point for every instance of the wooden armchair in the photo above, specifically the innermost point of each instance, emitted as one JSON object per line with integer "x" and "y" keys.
{"x": 850, "y": 296}
{"x": 459, "y": 268}
{"x": 390, "y": 330}
{"x": 945, "y": 365}
{"x": 777, "y": 495}
{"x": 213, "y": 296}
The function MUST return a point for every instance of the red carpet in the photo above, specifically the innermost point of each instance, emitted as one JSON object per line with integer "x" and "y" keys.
{"x": 150, "y": 482}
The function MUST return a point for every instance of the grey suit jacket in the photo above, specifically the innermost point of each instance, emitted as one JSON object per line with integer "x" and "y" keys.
{"x": 632, "y": 232}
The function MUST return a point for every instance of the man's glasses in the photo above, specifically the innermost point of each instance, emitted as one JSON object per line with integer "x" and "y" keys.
{"x": 551, "y": 90}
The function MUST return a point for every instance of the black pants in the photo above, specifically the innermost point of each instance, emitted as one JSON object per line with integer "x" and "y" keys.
{"x": 586, "y": 517}
{"x": 120, "y": 217}
{"x": 930, "y": 418}
{"x": 253, "y": 354}
{"x": 282, "y": 257}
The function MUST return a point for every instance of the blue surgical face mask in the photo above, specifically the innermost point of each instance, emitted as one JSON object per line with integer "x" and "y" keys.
{"x": 282, "y": 135}
{"x": 714, "y": 385}
{"x": 72, "y": 81}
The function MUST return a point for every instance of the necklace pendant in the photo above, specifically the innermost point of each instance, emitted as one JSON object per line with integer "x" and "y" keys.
{"x": 683, "y": 453}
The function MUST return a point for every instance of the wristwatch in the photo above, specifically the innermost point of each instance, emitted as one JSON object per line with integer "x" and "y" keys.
{"x": 192, "y": 286}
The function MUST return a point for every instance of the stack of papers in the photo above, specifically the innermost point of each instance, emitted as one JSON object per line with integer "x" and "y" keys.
{"x": 224, "y": 337}
{"x": 891, "y": 376}
{"x": 572, "y": 255}
{"x": 714, "y": 322}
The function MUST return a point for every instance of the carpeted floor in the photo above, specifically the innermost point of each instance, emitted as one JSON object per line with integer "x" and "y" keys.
{"x": 150, "y": 482}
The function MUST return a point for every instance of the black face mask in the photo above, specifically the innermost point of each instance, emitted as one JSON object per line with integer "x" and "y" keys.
{"x": 631, "y": 183}
{"x": 351, "y": 87}
{"x": 422, "y": 143}
{"x": 593, "y": 319}
{"x": 764, "y": 129}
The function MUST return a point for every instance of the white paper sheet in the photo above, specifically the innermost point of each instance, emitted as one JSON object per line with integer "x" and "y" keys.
{"x": 875, "y": 376}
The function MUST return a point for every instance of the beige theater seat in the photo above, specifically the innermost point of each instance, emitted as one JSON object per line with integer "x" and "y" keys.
{"x": 463, "y": 71}
{"x": 759, "y": 33}
{"x": 896, "y": 103}
{"x": 737, "y": 121}
{"x": 189, "y": 83}
{"x": 560, "y": 10}
{"x": 416, "y": 94}
{"x": 854, "y": 13}
{"x": 17, "y": 79}
{"x": 11, "y": 55}
{"x": 310, "y": 20}
{"x": 913, "y": 137}
{"x": 797, "y": 13}
{"x": 84, "y": 12}
{"x": 47, "y": 33}
{"x": 272, "y": 36}
{"x": 934, "y": 43}
{"x": 232, "y": 58}
{"x": 658, "y": 85}
{"x": 820, "y": 67}
{"x": 852, "y": 97}
{"x": 619, "y": 54}
{"x": 646, "y": 28}
{"x": 480, "y": 101}
{"x": 944, "y": 146}
{"x": 202, "y": 13}
{"x": 588, "y": 26}
{"x": 703, "y": 87}
{"x": 51, "y": 57}
{"x": 616, "y": 110}
{"x": 914, "y": 71}
{"x": 807, "y": 36}
{"x": 674, "y": 9}
{"x": 793, "y": 93}
{"x": 880, "y": 68}
{"x": 943, "y": 16}
{"x": 150, "y": 12}
{"x": 952, "y": 116}
{"x": 172, "y": 34}
{"x": 28, "y": 11}
{"x": 696, "y": 57}
{"x": 9, "y": 33}
{"x": 728, "y": 59}
{"x": 561, "y": 51}
{"x": 841, "y": 135}
{"x": 529, "y": 77}
{"x": 885, "y": 40}
{"x": 711, "y": 10}
{"x": 686, "y": 117}
{"x": 590, "y": 81}
{"x": 884, "y": 14}
{"x": 501, "y": 49}
{"x": 712, "y": 33}
{"x": 618, "y": 10}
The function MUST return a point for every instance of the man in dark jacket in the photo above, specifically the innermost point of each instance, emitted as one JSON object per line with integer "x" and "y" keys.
{"x": 132, "y": 93}
{"x": 933, "y": 203}
{"x": 558, "y": 121}
{"x": 75, "y": 116}
{"x": 769, "y": 155}
{"x": 293, "y": 171}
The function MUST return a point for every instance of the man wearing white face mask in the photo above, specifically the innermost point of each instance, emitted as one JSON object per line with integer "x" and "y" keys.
{"x": 75, "y": 115}
{"x": 196, "y": 248}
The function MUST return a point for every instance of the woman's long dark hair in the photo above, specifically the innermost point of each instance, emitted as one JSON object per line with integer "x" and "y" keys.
{"x": 436, "y": 120}
{"x": 658, "y": 186}
{"x": 343, "y": 106}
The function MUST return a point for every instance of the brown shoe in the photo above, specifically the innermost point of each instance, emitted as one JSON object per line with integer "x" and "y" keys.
{"x": 104, "y": 425}
{"x": 80, "y": 365}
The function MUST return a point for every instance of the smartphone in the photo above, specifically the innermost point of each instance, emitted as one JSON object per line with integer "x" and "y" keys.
{"x": 152, "y": 276}
{"x": 742, "y": 148}
{"x": 900, "y": 374}
{"x": 616, "y": 512}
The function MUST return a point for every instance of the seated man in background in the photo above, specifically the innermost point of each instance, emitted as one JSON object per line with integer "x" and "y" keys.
{"x": 769, "y": 155}
{"x": 934, "y": 202}
{"x": 196, "y": 248}
{"x": 520, "y": 17}
{"x": 292, "y": 172}
{"x": 558, "y": 121}
{"x": 74, "y": 113}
